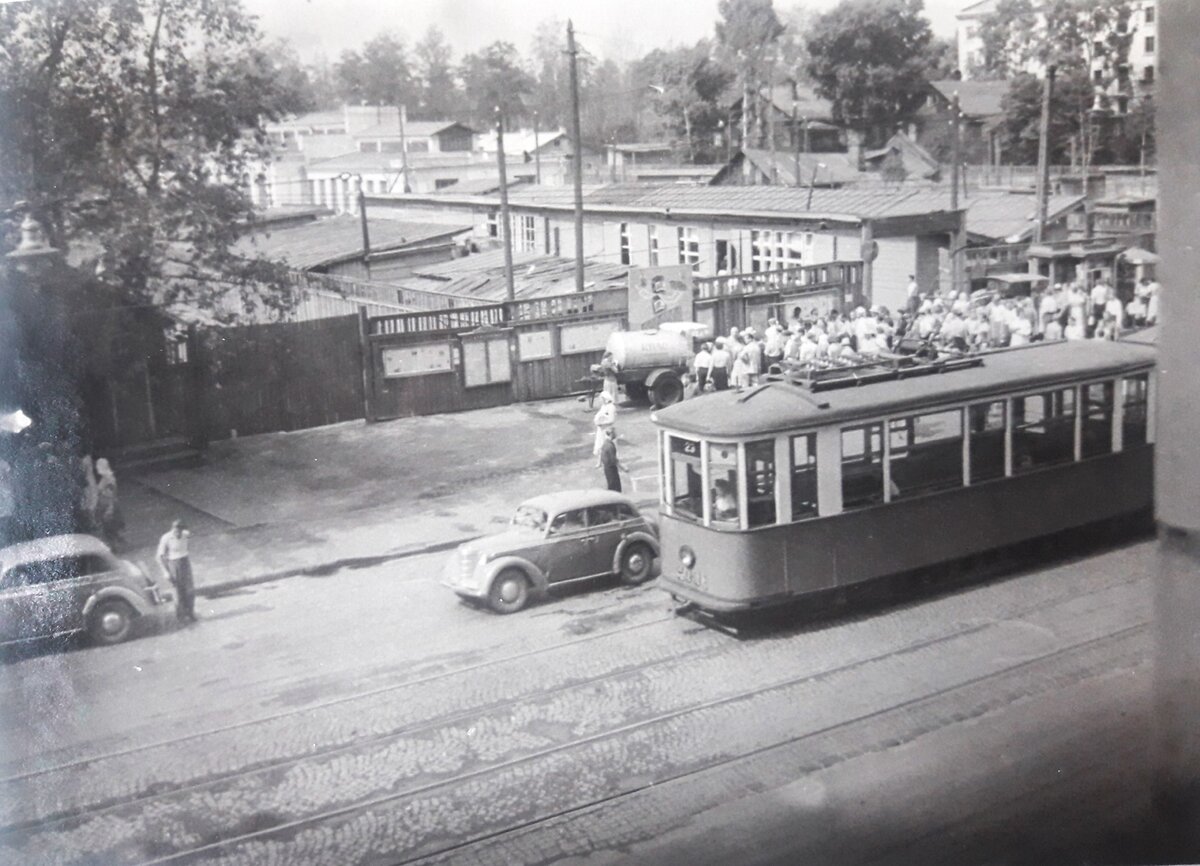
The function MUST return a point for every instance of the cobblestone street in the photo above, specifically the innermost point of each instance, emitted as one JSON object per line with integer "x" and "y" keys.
{"x": 368, "y": 717}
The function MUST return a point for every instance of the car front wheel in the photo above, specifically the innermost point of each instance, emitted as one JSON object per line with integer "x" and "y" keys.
{"x": 111, "y": 622}
{"x": 509, "y": 592}
{"x": 636, "y": 562}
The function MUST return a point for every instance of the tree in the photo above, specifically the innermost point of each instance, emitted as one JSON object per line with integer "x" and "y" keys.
{"x": 693, "y": 84}
{"x": 869, "y": 58}
{"x": 549, "y": 61}
{"x": 440, "y": 97}
{"x": 133, "y": 126}
{"x": 1020, "y": 34}
{"x": 380, "y": 75}
{"x": 748, "y": 32}
{"x": 941, "y": 61}
{"x": 1069, "y": 113}
{"x": 298, "y": 93}
{"x": 495, "y": 78}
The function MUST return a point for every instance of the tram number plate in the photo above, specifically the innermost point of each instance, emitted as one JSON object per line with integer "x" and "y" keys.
{"x": 691, "y": 577}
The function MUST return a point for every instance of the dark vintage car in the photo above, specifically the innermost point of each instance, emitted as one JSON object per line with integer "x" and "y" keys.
{"x": 71, "y": 583}
{"x": 552, "y": 540}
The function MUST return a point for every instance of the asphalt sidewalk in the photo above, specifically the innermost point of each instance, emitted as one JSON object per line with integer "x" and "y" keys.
{"x": 356, "y": 494}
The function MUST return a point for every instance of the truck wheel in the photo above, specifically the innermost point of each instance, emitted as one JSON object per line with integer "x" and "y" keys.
{"x": 667, "y": 390}
{"x": 636, "y": 391}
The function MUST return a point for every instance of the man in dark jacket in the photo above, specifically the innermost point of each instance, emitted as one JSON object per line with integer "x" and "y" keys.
{"x": 608, "y": 460}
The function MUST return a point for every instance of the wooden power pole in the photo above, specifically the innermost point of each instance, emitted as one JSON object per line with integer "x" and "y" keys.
{"x": 577, "y": 156}
{"x": 1043, "y": 191}
{"x": 506, "y": 223}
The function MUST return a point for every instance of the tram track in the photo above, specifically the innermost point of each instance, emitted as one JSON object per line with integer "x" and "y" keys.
{"x": 607, "y": 734}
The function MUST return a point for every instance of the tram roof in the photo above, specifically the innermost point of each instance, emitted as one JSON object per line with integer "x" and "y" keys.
{"x": 779, "y": 405}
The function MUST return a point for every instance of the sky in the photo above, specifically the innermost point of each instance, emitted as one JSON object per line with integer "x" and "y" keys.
{"x": 616, "y": 29}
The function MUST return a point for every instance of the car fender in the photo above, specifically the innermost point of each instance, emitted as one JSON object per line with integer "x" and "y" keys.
{"x": 127, "y": 595}
{"x": 495, "y": 566}
{"x": 638, "y": 535}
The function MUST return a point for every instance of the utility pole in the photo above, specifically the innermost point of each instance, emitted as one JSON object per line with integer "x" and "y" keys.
{"x": 771, "y": 119}
{"x": 509, "y": 290}
{"x": 1043, "y": 192}
{"x": 537, "y": 152}
{"x": 348, "y": 178}
{"x": 577, "y": 156}
{"x": 955, "y": 159}
{"x": 403, "y": 150}
{"x": 796, "y": 138}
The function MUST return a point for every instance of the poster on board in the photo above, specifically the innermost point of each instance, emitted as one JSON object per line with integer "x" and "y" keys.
{"x": 657, "y": 295}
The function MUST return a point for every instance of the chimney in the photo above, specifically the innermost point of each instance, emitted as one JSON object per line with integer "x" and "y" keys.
{"x": 854, "y": 147}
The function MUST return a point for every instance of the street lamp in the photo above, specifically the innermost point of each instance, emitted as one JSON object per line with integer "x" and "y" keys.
{"x": 362, "y": 216}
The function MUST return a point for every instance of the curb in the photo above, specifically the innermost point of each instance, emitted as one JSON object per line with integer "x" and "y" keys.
{"x": 326, "y": 568}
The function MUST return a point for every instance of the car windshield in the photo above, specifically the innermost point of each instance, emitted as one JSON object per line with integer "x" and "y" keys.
{"x": 530, "y": 517}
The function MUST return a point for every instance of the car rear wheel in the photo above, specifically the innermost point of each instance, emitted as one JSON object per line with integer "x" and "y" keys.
{"x": 636, "y": 562}
{"x": 509, "y": 592}
{"x": 111, "y": 622}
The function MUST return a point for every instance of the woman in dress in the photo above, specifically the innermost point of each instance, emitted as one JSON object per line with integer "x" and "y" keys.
{"x": 108, "y": 510}
{"x": 604, "y": 419}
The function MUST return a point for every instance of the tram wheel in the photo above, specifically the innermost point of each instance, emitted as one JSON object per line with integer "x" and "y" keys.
{"x": 509, "y": 591}
{"x": 636, "y": 562}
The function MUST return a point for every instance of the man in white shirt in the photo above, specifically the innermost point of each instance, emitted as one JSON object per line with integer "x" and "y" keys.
{"x": 173, "y": 555}
{"x": 702, "y": 365}
{"x": 1099, "y": 297}
{"x": 914, "y": 298}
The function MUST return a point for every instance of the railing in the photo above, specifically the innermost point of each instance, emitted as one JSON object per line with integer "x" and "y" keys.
{"x": 782, "y": 280}
{"x": 441, "y": 320}
{"x": 1118, "y": 222}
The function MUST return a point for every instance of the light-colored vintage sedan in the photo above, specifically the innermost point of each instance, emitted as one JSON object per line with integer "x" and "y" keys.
{"x": 70, "y": 583}
{"x": 555, "y": 539}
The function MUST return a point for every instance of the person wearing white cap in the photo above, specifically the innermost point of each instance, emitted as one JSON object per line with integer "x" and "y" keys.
{"x": 604, "y": 420}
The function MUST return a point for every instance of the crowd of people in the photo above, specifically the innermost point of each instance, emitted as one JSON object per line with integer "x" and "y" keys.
{"x": 946, "y": 322}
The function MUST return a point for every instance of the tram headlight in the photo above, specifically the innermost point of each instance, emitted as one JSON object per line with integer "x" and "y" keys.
{"x": 687, "y": 556}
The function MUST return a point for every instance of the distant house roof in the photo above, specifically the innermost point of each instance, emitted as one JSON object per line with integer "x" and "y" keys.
{"x": 976, "y": 99}
{"x": 479, "y": 186}
{"x": 918, "y": 162}
{"x": 978, "y": 10}
{"x": 534, "y": 275}
{"x": 1009, "y": 217}
{"x": 643, "y": 147}
{"x": 336, "y": 117}
{"x": 412, "y": 129}
{"x": 819, "y": 169}
{"x": 802, "y": 99}
{"x": 328, "y": 241}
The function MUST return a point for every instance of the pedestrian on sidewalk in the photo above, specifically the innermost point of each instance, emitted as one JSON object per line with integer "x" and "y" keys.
{"x": 604, "y": 419}
{"x": 173, "y": 554}
{"x": 608, "y": 460}
{"x": 108, "y": 510}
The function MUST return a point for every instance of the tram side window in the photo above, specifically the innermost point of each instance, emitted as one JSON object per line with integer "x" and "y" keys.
{"x": 862, "y": 466}
{"x": 1134, "y": 420}
{"x": 987, "y": 440}
{"x": 926, "y": 453}
{"x": 804, "y": 476}
{"x": 1043, "y": 429}
{"x": 687, "y": 485}
{"x": 760, "y": 482}
{"x": 722, "y": 472}
{"x": 1097, "y": 419}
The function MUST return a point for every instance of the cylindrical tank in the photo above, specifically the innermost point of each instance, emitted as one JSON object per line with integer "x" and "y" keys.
{"x": 634, "y": 349}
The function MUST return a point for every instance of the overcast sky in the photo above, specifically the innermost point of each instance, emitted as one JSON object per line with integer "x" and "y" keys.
{"x": 620, "y": 29}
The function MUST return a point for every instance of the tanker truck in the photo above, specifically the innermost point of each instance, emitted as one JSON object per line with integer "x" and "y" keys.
{"x": 648, "y": 364}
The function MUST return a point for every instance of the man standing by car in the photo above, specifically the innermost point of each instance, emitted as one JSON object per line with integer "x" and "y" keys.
{"x": 173, "y": 554}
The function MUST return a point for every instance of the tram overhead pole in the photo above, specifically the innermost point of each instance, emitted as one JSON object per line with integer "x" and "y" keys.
{"x": 577, "y": 156}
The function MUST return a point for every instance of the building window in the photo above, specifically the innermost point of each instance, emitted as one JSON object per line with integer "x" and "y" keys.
{"x": 493, "y": 225}
{"x": 987, "y": 422}
{"x": 689, "y": 246}
{"x": 1134, "y": 418}
{"x": 624, "y": 243}
{"x": 420, "y": 146}
{"x": 390, "y": 147}
{"x": 557, "y": 242}
{"x": 652, "y": 237}
{"x": 368, "y": 147}
{"x": 528, "y": 234}
{"x": 804, "y": 476}
{"x": 1149, "y": 44}
{"x": 1098, "y": 76}
{"x": 687, "y": 486}
{"x": 771, "y": 251}
{"x": 723, "y": 475}
{"x": 1097, "y": 419}
{"x": 1149, "y": 10}
{"x": 1148, "y": 74}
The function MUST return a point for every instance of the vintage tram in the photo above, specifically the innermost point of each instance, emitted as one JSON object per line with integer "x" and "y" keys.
{"x": 791, "y": 488}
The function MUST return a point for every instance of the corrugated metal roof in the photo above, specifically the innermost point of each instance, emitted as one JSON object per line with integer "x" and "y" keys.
{"x": 412, "y": 129}
{"x": 535, "y": 275}
{"x": 311, "y": 118}
{"x": 328, "y": 240}
{"x": 783, "y": 406}
{"x": 1010, "y": 216}
{"x": 819, "y": 169}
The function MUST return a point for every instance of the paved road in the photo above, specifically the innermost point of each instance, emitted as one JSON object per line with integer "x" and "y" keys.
{"x": 367, "y": 717}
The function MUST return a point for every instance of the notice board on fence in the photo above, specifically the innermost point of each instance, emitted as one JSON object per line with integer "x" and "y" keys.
{"x": 587, "y": 337}
{"x": 416, "y": 360}
{"x": 658, "y": 295}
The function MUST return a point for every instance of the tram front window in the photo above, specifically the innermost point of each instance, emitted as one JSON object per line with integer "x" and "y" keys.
{"x": 1097, "y": 419}
{"x": 760, "y": 483}
{"x": 687, "y": 485}
{"x": 1043, "y": 430}
{"x": 804, "y": 476}
{"x": 987, "y": 440}
{"x": 722, "y": 471}
{"x": 862, "y": 466}
{"x": 1137, "y": 391}
{"x": 926, "y": 453}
